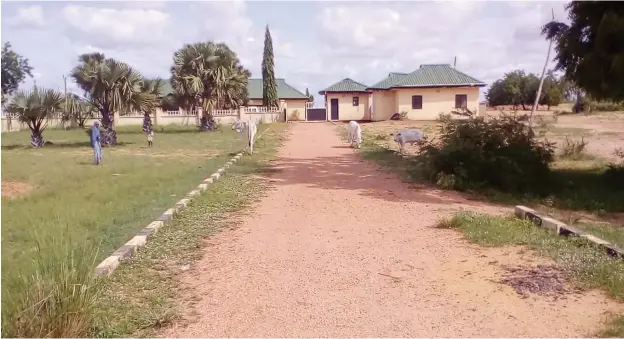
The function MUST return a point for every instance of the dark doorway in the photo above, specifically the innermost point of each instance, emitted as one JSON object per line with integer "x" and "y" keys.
{"x": 334, "y": 109}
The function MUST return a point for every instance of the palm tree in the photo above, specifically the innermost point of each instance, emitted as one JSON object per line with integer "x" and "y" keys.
{"x": 155, "y": 88}
{"x": 34, "y": 108}
{"x": 210, "y": 76}
{"x": 113, "y": 87}
{"x": 79, "y": 110}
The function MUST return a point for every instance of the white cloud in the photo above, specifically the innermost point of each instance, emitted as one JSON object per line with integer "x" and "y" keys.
{"x": 332, "y": 40}
{"x": 29, "y": 16}
{"x": 112, "y": 28}
{"x": 488, "y": 38}
{"x": 229, "y": 22}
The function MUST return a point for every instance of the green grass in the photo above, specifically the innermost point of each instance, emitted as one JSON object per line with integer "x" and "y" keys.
{"x": 606, "y": 231}
{"x": 143, "y": 294}
{"x": 588, "y": 265}
{"x": 102, "y": 205}
{"x": 75, "y": 214}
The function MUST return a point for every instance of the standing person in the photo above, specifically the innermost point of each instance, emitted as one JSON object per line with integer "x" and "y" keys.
{"x": 150, "y": 138}
{"x": 95, "y": 143}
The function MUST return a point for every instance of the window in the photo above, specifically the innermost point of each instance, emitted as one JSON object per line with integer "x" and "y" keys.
{"x": 461, "y": 101}
{"x": 416, "y": 101}
{"x": 356, "y": 101}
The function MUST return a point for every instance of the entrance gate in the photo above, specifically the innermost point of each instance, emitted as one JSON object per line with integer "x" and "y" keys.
{"x": 313, "y": 113}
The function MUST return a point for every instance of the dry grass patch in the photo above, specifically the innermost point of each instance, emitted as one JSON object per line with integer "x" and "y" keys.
{"x": 14, "y": 189}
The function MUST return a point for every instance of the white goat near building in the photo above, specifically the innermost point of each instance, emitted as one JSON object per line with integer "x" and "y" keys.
{"x": 407, "y": 136}
{"x": 355, "y": 134}
{"x": 249, "y": 128}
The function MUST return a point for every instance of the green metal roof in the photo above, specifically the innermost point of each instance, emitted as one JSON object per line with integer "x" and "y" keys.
{"x": 254, "y": 87}
{"x": 391, "y": 79}
{"x": 428, "y": 76}
{"x": 345, "y": 85}
{"x": 284, "y": 90}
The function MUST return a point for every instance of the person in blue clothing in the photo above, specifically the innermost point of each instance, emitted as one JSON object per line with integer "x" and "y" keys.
{"x": 95, "y": 143}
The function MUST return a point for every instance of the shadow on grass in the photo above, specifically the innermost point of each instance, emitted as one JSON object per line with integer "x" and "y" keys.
{"x": 63, "y": 145}
{"x": 572, "y": 189}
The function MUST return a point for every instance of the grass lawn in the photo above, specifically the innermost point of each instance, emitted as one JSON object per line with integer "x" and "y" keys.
{"x": 102, "y": 206}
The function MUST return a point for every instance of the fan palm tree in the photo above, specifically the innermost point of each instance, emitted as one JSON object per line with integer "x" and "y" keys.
{"x": 113, "y": 87}
{"x": 34, "y": 108}
{"x": 155, "y": 88}
{"x": 210, "y": 76}
{"x": 79, "y": 110}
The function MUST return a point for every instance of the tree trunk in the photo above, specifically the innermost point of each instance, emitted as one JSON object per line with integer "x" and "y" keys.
{"x": 36, "y": 138}
{"x": 147, "y": 122}
{"x": 109, "y": 136}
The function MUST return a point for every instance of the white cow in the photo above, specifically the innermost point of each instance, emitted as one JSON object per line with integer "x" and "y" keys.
{"x": 355, "y": 134}
{"x": 248, "y": 128}
{"x": 407, "y": 136}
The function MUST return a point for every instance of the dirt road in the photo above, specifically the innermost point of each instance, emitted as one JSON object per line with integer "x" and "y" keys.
{"x": 341, "y": 248}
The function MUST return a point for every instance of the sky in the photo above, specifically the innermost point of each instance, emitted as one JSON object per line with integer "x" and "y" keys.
{"x": 316, "y": 43}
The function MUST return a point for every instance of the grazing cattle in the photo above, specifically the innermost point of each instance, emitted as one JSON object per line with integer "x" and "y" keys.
{"x": 248, "y": 128}
{"x": 407, "y": 136}
{"x": 355, "y": 134}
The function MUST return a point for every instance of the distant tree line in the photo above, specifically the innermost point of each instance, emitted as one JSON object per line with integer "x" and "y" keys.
{"x": 518, "y": 89}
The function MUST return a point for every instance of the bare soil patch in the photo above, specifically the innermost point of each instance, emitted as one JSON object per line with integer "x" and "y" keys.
{"x": 547, "y": 280}
{"x": 13, "y": 189}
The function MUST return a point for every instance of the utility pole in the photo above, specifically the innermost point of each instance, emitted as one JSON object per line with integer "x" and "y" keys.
{"x": 539, "y": 89}
{"x": 65, "y": 84}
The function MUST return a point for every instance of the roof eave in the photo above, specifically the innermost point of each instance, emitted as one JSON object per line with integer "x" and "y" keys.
{"x": 344, "y": 92}
{"x": 438, "y": 86}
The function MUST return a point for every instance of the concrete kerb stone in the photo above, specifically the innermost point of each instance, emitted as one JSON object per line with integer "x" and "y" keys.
{"x": 108, "y": 265}
{"x": 563, "y": 229}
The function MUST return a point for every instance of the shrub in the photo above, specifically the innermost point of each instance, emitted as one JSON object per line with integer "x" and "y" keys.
{"x": 477, "y": 152}
{"x": 573, "y": 150}
{"x": 403, "y": 115}
{"x": 607, "y": 106}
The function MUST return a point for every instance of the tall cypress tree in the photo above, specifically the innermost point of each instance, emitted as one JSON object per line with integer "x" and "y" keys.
{"x": 269, "y": 87}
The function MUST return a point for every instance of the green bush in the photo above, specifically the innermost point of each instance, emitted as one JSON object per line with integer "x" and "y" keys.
{"x": 607, "y": 106}
{"x": 477, "y": 152}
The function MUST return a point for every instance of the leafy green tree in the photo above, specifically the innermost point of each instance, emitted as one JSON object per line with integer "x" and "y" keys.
{"x": 113, "y": 87}
{"x": 34, "y": 108}
{"x": 591, "y": 50}
{"x": 269, "y": 86}
{"x": 15, "y": 68}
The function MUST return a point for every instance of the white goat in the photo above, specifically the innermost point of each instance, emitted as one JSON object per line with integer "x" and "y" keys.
{"x": 249, "y": 128}
{"x": 355, "y": 134}
{"x": 407, "y": 136}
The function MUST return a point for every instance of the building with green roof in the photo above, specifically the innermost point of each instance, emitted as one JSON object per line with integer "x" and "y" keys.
{"x": 347, "y": 100}
{"x": 424, "y": 93}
